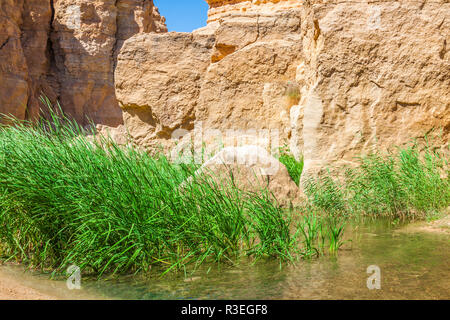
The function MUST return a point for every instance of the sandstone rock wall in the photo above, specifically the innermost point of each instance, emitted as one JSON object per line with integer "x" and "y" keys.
{"x": 336, "y": 78}
{"x": 223, "y": 8}
{"x": 375, "y": 75}
{"x": 66, "y": 49}
{"x": 333, "y": 78}
{"x": 36, "y": 17}
{"x": 16, "y": 76}
{"x": 158, "y": 80}
{"x": 234, "y": 74}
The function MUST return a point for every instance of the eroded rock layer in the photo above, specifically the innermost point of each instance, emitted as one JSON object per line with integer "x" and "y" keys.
{"x": 234, "y": 74}
{"x": 331, "y": 78}
{"x": 66, "y": 50}
{"x": 375, "y": 75}
{"x": 222, "y": 8}
{"x": 335, "y": 79}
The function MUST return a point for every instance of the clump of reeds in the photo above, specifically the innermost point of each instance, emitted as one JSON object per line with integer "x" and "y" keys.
{"x": 412, "y": 182}
{"x": 294, "y": 166}
{"x": 68, "y": 198}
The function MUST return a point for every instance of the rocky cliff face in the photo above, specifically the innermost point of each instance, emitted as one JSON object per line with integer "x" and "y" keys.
{"x": 234, "y": 74}
{"x": 374, "y": 75}
{"x": 66, "y": 49}
{"x": 23, "y": 39}
{"x": 331, "y": 78}
{"x": 220, "y": 9}
{"x": 334, "y": 79}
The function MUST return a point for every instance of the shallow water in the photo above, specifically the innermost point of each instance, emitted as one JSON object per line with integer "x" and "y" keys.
{"x": 413, "y": 266}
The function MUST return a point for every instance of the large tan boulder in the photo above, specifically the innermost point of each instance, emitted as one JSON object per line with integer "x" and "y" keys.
{"x": 252, "y": 169}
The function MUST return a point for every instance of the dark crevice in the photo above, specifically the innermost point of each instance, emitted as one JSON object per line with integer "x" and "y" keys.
{"x": 5, "y": 43}
{"x": 317, "y": 31}
{"x": 52, "y": 6}
{"x": 52, "y": 80}
{"x": 50, "y": 49}
{"x": 28, "y": 79}
{"x": 444, "y": 50}
{"x": 116, "y": 48}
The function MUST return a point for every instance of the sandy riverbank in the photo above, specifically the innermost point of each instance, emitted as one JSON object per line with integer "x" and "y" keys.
{"x": 16, "y": 284}
{"x": 11, "y": 289}
{"x": 441, "y": 226}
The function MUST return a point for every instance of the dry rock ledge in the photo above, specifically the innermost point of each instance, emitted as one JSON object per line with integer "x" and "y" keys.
{"x": 331, "y": 78}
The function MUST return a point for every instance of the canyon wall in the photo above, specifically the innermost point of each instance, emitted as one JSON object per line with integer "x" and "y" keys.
{"x": 23, "y": 39}
{"x": 331, "y": 78}
{"x": 66, "y": 49}
{"x": 235, "y": 74}
{"x": 375, "y": 75}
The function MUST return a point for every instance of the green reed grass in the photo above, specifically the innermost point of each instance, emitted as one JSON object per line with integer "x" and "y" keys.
{"x": 311, "y": 229}
{"x": 335, "y": 232}
{"x": 412, "y": 182}
{"x": 68, "y": 198}
{"x": 294, "y": 166}
{"x": 319, "y": 232}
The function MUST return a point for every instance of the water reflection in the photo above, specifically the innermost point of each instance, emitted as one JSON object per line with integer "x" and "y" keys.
{"x": 413, "y": 266}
